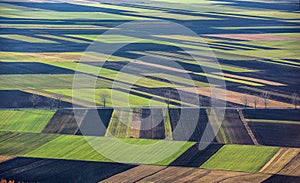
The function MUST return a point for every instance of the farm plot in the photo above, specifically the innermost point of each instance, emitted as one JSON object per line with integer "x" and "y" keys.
{"x": 120, "y": 123}
{"x": 276, "y": 134}
{"x": 240, "y": 158}
{"x": 135, "y": 124}
{"x": 152, "y": 124}
{"x": 193, "y": 157}
{"x": 94, "y": 122}
{"x": 283, "y": 162}
{"x": 282, "y": 178}
{"x": 137, "y": 151}
{"x": 188, "y": 123}
{"x": 31, "y": 68}
{"x": 150, "y": 173}
{"x": 292, "y": 168}
{"x": 63, "y": 122}
{"x": 13, "y": 143}
{"x": 87, "y": 96}
{"x": 24, "y": 120}
{"x": 232, "y": 130}
{"x": 52, "y": 170}
{"x": 235, "y": 97}
{"x": 272, "y": 114}
{"x": 21, "y": 99}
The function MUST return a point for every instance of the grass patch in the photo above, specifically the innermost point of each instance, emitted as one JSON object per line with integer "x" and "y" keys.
{"x": 77, "y": 148}
{"x": 25, "y": 121}
{"x": 272, "y": 121}
{"x": 241, "y": 158}
{"x": 119, "y": 125}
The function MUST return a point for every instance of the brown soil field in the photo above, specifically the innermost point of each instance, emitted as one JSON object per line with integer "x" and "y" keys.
{"x": 292, "y": 168}
{"x": 152, "y": 127}
{"x": 232, "y": 130}
{"x": 186, "y": 125}
{"x": 63, "y": 122}
{"x": 281, "y": 160}
{"x": 276, "y": 134}
{"x": 251, "y": 79}
{"x": 135, "y": 124}
{"x": 5, "y": 158}
{"x": 236, "y": 97}
{"x": 149, "y": 173}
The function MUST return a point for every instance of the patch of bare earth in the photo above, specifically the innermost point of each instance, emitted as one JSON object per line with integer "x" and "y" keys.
{"x": 5, "y": 158}
{"x": 236, "y": 97}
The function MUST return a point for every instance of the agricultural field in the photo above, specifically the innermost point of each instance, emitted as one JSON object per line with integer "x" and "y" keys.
{"x": 240, "y": 158}
{"x": 25, "y": 120}
{"x": 275, "y": 127}
{"x": 134, "y": 91}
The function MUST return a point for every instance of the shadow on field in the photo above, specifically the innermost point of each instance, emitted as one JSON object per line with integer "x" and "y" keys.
{"x": 52, "y": 170}
{"x": 193, "y": 157}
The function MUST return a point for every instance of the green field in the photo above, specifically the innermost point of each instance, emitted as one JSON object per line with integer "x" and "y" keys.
{"x": 24, "y": 120}
{"x": 18, "y": 144}
{"x": 119, "y": 125}
{"x": 241, "y": 158}
{"x": 77, "y": 148}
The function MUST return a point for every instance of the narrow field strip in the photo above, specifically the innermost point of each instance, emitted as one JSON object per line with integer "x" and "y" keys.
{"x": 251, "y": 79}
{"x": 235, "y": 97}
{"x": 120, "y": 123}
{"x": 26, "y": 38}
{"x": 230, "y": 79}
{"x": 272, "y": 121}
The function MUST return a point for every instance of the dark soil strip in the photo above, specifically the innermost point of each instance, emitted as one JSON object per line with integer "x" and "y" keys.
{"x": 232, "y": 130}
{"x": 273, "y": 114}
{"x": 284, "y": 135}
{"x": 188, "y": 124}
{"x": 51, "y": 170}
{"x": 63, "y": 122}
{"x": 282, "y": 178}
{"x": 193, "y": 157}
{"x": 95, "y": 122}
{"x": 20, "y": 99}
{"x": 153, "y": 124}
{"x": 31, "y": 68}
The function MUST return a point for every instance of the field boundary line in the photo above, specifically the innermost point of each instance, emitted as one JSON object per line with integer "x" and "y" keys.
{"x": 249, "y": 131}
{"x": 280, "y": 152}
{"x": 151, "y": 174}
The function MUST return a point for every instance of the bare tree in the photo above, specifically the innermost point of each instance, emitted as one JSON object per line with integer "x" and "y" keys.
{"x": 34, "y": 99}
{"x": 103, "y": 98}
{"x": 295, "y": 100}
{"x": 255, "y": 101}
{"x": 168, "y": 95}
{"x": 245, "y": 101}
{"x": 265, "y": 96}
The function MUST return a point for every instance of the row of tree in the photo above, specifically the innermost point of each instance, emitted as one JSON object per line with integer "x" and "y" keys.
{"x": 53, "y": 101}
{"x": 56, "y": 100}
{"x": 265, "y": 98}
